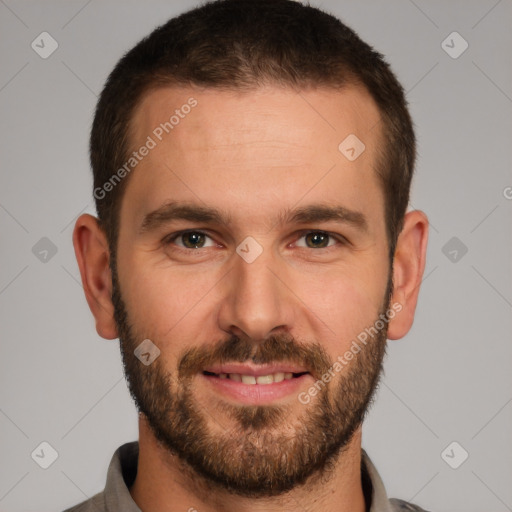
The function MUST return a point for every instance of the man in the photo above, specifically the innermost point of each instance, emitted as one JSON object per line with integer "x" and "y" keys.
{"x": 252, "y": 163}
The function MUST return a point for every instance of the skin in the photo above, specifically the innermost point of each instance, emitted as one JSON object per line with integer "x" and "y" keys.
{"x": 252, "y": 154}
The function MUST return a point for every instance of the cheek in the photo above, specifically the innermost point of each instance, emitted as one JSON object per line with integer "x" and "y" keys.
{"x": 343, "y": 304}
{"x": 165, "y": 303}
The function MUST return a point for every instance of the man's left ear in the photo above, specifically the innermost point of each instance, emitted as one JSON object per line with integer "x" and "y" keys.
{"x": 408, "y": 267}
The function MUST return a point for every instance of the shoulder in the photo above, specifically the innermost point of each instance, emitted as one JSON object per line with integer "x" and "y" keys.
{"x": 94, "y": 504}
{"x": 404, "y": 506}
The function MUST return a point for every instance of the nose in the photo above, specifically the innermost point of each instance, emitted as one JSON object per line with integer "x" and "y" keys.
{"x": 256, "y": 300}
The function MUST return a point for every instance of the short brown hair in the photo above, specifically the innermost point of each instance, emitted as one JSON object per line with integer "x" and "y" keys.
{"x": 243, "y": 44}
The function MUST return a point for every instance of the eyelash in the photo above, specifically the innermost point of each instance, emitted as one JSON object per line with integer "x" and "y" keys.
{"x": 171, "y": 238}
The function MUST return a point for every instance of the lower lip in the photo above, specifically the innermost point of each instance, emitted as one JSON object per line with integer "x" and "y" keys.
{"x": 258, "y": 393}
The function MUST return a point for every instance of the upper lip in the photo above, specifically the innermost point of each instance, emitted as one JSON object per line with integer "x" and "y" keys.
{"x": 255, "y": 370}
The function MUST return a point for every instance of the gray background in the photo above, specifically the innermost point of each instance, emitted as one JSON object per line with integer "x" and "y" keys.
{"x": 448, "y": 380}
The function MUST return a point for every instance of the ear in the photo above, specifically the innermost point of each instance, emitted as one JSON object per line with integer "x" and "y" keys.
{"x": 408, "y": 267}
{"x": 93, "y": 256}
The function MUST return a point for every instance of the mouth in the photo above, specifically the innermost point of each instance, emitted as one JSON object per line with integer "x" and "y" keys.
{"x": 251, "y": 379}
{"x": 256, "y": 384}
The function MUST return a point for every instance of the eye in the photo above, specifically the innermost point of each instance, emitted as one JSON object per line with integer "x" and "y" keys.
{"x": 317, "y": 240}
{"x": 190, "y": 240}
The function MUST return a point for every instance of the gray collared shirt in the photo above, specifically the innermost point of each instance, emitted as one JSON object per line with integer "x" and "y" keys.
{"x": 123, "y": 469}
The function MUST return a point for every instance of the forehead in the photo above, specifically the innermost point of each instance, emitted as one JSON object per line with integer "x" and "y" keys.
{"x": 248, "y": 113}
{"x": 265, "y": 147}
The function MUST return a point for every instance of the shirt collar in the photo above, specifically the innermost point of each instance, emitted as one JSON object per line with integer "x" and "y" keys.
{"x": 123, "y": 470}
{"x": 120, "y": 476}
{"x": 377, "y": 492}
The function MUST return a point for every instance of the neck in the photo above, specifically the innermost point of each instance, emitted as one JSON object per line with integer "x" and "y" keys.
{"x": 164, "y": 483}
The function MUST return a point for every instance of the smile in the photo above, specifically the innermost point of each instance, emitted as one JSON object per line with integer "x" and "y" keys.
{"x": 259, "y": 379}
{"x": 256, "y": 385}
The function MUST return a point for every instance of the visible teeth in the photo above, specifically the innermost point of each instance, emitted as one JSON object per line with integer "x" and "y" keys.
{"x": 261, "y": 379}
{"x": 264, "y": 379}
{"x": 248, "y": 379}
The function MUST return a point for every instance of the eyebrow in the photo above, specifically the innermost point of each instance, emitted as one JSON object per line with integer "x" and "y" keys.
{"x": 315, "y": 213}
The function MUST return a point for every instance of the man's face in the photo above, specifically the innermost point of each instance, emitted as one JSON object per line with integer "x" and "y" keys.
{"x": 259, "y": 291}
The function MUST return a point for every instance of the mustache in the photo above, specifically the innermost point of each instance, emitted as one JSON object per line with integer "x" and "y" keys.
{"x": 279, "y": 348}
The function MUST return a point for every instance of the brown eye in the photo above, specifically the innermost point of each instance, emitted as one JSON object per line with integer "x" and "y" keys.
{"x": 193, "y": 239}
{"x": 317, "y": 239}
{"x": 189, "y": 240}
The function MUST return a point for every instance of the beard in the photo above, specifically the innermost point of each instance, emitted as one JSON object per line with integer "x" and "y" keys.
{"x": 252, "y": 450}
